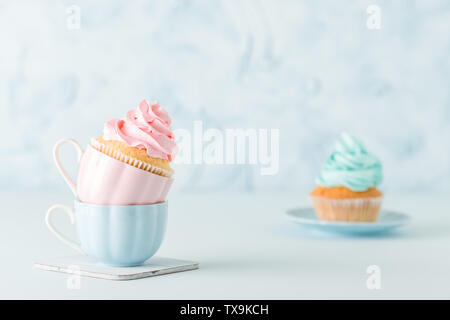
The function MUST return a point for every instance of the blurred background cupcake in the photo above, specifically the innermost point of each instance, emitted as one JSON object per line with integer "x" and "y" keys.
{"x": 347, "y": 185}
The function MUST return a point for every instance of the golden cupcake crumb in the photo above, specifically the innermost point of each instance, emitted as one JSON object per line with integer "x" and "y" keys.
{"x": 138, "y": 154}
{"x": 342, "y": 192}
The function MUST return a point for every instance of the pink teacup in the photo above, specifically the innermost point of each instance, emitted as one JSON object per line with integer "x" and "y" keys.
{"x": 107, "y": 181}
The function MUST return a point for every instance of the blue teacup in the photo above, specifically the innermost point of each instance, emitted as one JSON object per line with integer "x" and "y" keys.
{"x": 119, "y": 236}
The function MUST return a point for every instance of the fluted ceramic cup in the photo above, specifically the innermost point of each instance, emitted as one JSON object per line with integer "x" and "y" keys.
{"x": 119, "y": 236}
{"x": 104, "y": 180}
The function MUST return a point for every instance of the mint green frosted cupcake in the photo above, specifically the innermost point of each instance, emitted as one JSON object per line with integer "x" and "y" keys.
{"x": 347, "y": 185}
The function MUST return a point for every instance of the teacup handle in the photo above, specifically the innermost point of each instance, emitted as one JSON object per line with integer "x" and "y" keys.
{"x": 61, "y": 170}
{"x": 52, "y": 228}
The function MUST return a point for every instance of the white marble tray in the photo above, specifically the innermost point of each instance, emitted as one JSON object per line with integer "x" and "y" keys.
{"x": 85, "y": 266}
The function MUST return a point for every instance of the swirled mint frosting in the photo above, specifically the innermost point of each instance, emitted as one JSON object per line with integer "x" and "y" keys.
{"x": 350, "y": 165}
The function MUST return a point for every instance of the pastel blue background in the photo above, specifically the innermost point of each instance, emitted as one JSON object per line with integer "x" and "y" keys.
{"x": 310, "y": 68}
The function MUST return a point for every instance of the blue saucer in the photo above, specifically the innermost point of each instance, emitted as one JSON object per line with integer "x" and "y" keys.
{"x": 387, "y": 221}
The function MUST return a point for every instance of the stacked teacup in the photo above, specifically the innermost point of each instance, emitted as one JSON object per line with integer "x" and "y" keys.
{"x": 123, "y": 179}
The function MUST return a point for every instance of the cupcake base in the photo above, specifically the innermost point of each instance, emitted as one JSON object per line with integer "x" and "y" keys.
{"x": 133, "y": 156}
{"x": 348, "y": 210}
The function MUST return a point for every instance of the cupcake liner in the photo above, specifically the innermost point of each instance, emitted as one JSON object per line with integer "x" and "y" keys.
{"x": 118, "y": 155}
{"x": 350, "y": 210}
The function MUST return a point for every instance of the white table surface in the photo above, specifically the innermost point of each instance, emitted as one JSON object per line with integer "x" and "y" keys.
{"x": 247, "y": 249}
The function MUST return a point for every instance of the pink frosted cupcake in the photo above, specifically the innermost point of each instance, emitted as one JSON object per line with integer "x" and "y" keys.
{"x": 130, "y": 163}
{"x": 143, "y": 139}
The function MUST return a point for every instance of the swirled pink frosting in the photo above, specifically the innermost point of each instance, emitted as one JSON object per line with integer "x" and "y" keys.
{"x": 147, "y": 127}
